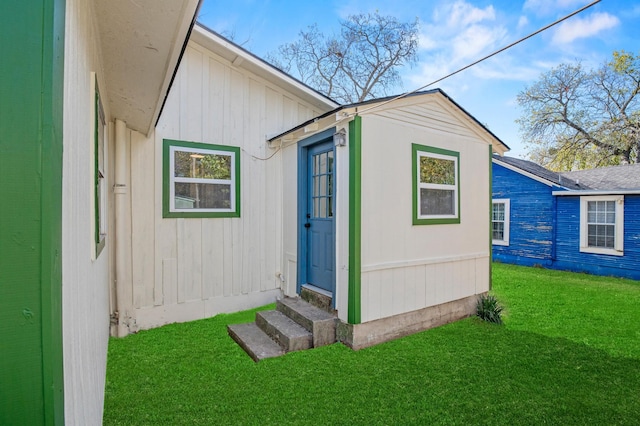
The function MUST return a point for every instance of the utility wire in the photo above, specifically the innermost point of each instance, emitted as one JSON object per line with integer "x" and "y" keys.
{"x": 482, "y": 59}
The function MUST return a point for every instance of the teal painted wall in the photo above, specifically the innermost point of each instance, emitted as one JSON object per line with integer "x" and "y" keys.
{"x": 31, "y": 97}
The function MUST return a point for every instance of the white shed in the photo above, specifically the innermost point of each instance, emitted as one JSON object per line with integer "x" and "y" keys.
{"x": 383, "y": 206}
{"x": 386, "y": 209}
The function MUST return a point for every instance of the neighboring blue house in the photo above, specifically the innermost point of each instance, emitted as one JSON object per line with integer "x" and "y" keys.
{"x": 583, "y": 221}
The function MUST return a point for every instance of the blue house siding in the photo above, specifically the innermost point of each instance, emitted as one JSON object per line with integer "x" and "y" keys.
{"x": 568, "y": 255}
{"x": 531, "y": 224}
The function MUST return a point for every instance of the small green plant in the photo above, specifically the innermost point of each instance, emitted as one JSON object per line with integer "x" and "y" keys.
{"x": 489, "y": 309}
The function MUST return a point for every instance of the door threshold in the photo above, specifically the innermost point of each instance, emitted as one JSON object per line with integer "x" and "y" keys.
{"x": 317, "y": 290}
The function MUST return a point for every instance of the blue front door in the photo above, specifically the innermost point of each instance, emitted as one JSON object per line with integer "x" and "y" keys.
{"x": 320, "y": 224}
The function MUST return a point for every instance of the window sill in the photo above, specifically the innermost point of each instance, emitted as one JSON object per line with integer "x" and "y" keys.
{"x": 595, "y": 250}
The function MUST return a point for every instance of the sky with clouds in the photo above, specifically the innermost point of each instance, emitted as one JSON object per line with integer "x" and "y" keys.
{"x": 454, "y": 34}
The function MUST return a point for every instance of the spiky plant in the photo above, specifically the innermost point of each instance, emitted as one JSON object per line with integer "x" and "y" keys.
{"x": 489, "y": 309}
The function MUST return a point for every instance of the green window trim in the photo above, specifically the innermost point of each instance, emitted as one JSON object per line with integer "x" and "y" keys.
{"x": 99, "y": 181}
{"x": 423, "y": 151}
{"x": 198, "y": 151}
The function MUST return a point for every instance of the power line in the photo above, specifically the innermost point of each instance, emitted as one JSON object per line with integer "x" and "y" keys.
{"x": 582, "y": 9}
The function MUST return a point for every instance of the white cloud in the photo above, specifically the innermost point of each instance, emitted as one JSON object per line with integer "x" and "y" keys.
{"x": 523, "y": 22}
{"x": 590, "y": 26}
{"x": 458, "y": 34}
{"x": 463, "y": 14}
{"x": 547, "y": 7}
{"x": 475, "y": 40}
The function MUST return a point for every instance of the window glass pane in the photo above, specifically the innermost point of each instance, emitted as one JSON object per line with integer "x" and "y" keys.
{"x": 437, "y": 202}
{"x": 322, "y": 210}
{"x": 601, "y": 236}
{"x": 322, "y": 190}
{"x": 330, "y": 154}
{"x": 323, "y": 163}
{"x": 498, "y": 211}
{"x": 202, "y": 196}
{"x": 498, "y": 230}
{"x": 202, "y": 166}
{"x": 437, "y": 171}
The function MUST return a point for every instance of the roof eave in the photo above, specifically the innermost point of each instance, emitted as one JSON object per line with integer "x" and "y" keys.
{"x": 242, "y": 58}
{"x": 142, "y": 44}
{"x": 575, "y": 192}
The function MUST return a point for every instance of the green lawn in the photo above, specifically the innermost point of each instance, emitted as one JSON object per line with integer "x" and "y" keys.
{"x": 568, "y": 353}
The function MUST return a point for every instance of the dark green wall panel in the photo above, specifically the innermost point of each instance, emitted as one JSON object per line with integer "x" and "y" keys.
{"x": 31, "y": 77}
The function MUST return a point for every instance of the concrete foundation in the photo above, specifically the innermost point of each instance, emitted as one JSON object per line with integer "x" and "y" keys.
{"x": 359, "y": 336}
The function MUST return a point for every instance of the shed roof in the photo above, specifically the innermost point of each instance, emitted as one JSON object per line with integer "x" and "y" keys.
{"x": 387, "y": 100}
{"x": 539, "y": 171}
{"x": 607, "y": 178}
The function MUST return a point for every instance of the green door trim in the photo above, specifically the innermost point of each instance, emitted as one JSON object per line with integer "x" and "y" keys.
{"x": 354, "y": 312}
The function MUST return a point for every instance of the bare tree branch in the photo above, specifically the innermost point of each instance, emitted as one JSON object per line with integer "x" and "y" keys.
{"x": 573, "y": 118}
{"x": 360, "y": 63}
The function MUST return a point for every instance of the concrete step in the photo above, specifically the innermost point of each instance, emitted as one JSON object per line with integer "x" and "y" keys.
{"x": 254, "y": 341}
{"x": 317, "y": 297}
{"x": 285, "y": 331}
{"x": 320, "y": 323}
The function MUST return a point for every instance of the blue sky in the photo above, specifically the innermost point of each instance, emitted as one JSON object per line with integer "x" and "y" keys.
{"x": 454, "y": 34}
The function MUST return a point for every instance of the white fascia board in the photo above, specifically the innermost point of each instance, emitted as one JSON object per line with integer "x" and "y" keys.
{"x": 246, "y": 60}
{"x": 597, "y": 192}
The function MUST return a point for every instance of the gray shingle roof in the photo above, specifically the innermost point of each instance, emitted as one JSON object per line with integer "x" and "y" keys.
{"x": 607, "y": 178}
{"x": 541, "y": 172}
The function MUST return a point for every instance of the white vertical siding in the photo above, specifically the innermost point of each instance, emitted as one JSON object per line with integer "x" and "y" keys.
{"x": 407, "y": 267}
{"x": 192, "y": 268}
{"x": 85, "y": 282}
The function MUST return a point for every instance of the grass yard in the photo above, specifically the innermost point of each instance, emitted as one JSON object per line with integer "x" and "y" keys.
{"x": 568, "y": 353}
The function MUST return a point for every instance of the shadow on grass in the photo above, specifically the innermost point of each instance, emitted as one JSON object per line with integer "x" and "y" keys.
{"x": 468, "y": 372}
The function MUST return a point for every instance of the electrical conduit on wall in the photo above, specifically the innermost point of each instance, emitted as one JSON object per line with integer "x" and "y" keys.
{"x": 120, "y": 191}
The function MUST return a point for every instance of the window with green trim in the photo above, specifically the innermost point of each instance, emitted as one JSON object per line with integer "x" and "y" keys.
{"x": 200, "y": 180}
{"x": 436, "y": 186}
{"x": 100, "y": 184}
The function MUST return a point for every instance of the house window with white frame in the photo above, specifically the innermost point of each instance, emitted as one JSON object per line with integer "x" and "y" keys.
{"x": 602, "y": 224}
{"x": 500, "y": 222}
{"x": 200, "y": 180}
{"x": 436, "y": 186}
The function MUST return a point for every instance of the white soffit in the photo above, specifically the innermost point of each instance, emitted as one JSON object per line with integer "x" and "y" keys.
{"x": 141, "y": 42}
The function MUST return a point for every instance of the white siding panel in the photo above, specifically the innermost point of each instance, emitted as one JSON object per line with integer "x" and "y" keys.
{"x": 142, "y": 217}
{"x": 201, "y": 263}
{"x": 189, "y": 238}
{"x": 407, "y": 267}
{"x": 86, "y": 288}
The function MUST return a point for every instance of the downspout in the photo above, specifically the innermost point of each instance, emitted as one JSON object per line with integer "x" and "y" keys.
{"x": 554, "y": 228}
{"x": 120, "y": 191}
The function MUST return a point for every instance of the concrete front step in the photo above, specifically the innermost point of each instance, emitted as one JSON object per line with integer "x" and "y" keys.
{"x": 317, "y": 297}
{"x": 254, "y": 341}
{"x": 320, "y": 323}
{"x": 285, "y": 331}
